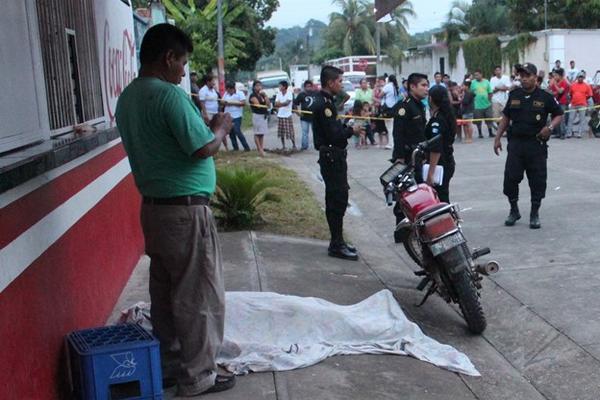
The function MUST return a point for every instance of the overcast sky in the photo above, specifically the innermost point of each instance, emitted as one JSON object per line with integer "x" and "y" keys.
{"x": 430, "y": 13}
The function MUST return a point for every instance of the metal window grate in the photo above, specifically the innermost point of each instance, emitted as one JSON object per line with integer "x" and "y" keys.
{"x": 55, "y": 17}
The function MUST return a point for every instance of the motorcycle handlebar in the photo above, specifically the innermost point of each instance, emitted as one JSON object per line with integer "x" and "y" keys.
{"x": 424, "y": 146}
{"x": 428, "y": 143}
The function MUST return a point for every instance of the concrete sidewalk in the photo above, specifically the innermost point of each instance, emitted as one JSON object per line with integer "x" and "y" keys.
{"x": 297, "y": 266}
{"x": 542, "y": 340}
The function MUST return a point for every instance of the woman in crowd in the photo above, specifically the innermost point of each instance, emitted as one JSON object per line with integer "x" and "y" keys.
{"x": 467, "y": 110}
{"x": 391, "y": 92}
{"x": 259, "y": 104}
{"x": 443, "y": 123}
{"x": 380, "y": 127}
{"x": 456, "y": 96}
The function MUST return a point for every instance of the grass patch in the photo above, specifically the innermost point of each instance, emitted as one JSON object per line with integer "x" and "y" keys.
{"x": 247, "y": 119}
{"x": 297, "y": 214}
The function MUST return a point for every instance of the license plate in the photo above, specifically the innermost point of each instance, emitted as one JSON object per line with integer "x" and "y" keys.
{"x": 446, "y": 244}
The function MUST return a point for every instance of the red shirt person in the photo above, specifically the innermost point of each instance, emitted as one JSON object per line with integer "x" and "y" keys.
{"x": 580, "y": 93}
{"x": 560, "y": 87}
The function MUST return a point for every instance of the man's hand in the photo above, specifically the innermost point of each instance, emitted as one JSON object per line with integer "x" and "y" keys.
{"x": 429, "y": 180}
{"x": 221, "y": 122}
{"x": 544, "y": 134}
{"x": 497, "y": 145}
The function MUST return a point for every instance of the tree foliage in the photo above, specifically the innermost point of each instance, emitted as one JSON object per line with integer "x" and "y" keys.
{"x": 246, "y": 38}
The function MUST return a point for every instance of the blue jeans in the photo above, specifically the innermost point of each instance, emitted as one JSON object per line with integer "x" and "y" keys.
{"x": 236, "y": 132}
{"x": 305, "y": 125}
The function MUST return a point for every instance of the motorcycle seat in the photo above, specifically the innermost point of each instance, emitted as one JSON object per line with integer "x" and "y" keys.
{"x": 431, "y": 209}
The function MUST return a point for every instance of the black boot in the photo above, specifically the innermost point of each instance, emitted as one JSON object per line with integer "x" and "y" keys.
{"x": 341, "y": 251}
{"x": 534, "y": 217}
{"x": 514, "y": 214}
{"x": 337, "y": 247}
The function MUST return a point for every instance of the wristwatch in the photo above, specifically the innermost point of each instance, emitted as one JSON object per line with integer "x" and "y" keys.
{"x": 551, "y": 127}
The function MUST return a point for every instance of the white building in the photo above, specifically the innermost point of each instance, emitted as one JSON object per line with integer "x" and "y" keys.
{"x": 551, "y": 45}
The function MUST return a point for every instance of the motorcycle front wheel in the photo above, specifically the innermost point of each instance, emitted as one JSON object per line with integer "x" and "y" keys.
{"x": 466, "y": 293}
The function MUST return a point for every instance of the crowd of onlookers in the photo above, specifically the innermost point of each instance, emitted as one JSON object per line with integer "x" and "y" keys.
{"x": 476, "y": 101}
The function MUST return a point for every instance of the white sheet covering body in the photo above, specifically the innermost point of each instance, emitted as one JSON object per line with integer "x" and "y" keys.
{"x": 273, "y": 332}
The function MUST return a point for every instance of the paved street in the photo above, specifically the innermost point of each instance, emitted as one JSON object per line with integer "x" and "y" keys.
{"x": 543, "y": 307}
{"x": 542, "y": 339}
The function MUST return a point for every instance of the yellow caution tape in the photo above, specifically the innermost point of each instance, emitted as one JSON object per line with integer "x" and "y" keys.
{"x": 342, "y": 116}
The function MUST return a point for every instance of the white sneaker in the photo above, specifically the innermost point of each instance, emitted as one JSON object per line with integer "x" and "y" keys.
{"x": 388, "y": 147}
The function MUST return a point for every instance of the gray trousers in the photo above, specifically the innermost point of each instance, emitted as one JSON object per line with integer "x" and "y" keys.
{"x": 577, "y": 125}
{"x": 186, "y": 290}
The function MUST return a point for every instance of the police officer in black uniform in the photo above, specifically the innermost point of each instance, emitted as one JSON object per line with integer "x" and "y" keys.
{"x": 526, "y": 118}
{"x": 409, "y": 128}
{"x": 409, "y": 118}
{"x": 331, "y": 138}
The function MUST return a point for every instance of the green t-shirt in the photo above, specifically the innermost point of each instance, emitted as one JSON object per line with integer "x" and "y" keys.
{"x": 161, "y": 128}
{"x": 481, "y": 90}
{"x": 364, "y": 96}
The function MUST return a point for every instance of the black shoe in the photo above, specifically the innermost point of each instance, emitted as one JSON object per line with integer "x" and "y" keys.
{"x": 512, "y": 218}
{"x": 343, "y": 252}
{"x": 534, "y": 222}
{"x": 350, "y": 247}
{"x": 222, "y": 382}
{"x": 480, "y": 136}
{"x": 492, "y": 135}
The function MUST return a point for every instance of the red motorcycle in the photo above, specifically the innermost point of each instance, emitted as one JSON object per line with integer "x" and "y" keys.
{"x": 433, "y": 238}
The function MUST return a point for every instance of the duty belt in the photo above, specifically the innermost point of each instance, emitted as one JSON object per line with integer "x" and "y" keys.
{"x": 333, "y": 150}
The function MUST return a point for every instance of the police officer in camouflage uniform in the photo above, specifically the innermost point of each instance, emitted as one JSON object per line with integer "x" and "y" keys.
{"x": 526, "y": 118}
{"x": 409, "y": 128}
{"x": 331, "y": 138}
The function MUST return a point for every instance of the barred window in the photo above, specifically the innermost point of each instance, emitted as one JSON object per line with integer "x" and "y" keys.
{"x": 70, "y": 59}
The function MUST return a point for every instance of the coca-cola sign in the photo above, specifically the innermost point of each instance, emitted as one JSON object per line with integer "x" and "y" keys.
{"x": 119, "y": 66}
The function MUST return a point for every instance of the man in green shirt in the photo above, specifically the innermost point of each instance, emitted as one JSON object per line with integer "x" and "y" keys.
{"x": 482, "y": 90}
{"x": 170, "y": 151}
{"x": 364, "y": 94}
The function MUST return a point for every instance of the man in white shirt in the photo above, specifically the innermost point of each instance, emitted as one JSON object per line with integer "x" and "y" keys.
{"x": 501, "y": 86}
{"x": 209, "y": 101}
{"x": 572, "y": 72}
{"x": 234, "y": 105}
{"x": 285, "y": 126}
{"x": 209, "y": 98}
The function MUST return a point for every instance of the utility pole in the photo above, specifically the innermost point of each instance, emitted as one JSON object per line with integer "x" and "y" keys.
{"x": 545, "y": 14}
{"x": 378, "y": 42}
{"x": 221, "y": 52}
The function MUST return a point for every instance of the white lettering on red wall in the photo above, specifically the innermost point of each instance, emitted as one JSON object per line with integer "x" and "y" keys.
{"x": 119, "y": 67}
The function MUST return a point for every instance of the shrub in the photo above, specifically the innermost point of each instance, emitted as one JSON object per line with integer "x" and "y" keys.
{"x": 239, "y": 192}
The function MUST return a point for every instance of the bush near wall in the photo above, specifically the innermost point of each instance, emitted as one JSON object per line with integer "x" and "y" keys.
{"x": 482, "y": 52}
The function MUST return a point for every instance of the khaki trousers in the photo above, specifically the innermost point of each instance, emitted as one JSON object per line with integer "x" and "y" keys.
{"x": 186, "y": 290}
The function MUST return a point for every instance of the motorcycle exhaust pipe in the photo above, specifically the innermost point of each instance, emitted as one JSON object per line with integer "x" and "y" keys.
{"x": 488, "y": 269}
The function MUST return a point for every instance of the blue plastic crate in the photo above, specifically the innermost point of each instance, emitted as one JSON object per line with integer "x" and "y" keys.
{"x": 114, "y": 363}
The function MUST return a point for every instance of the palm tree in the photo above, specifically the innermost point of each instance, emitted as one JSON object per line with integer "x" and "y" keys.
{"x": 353, "y": 23}
{"x": 456, "y": 22}
{"x": 399, "y": 20}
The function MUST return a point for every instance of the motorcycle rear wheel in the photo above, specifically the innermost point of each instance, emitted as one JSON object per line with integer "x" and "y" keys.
{"x": 466, "y": 293}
